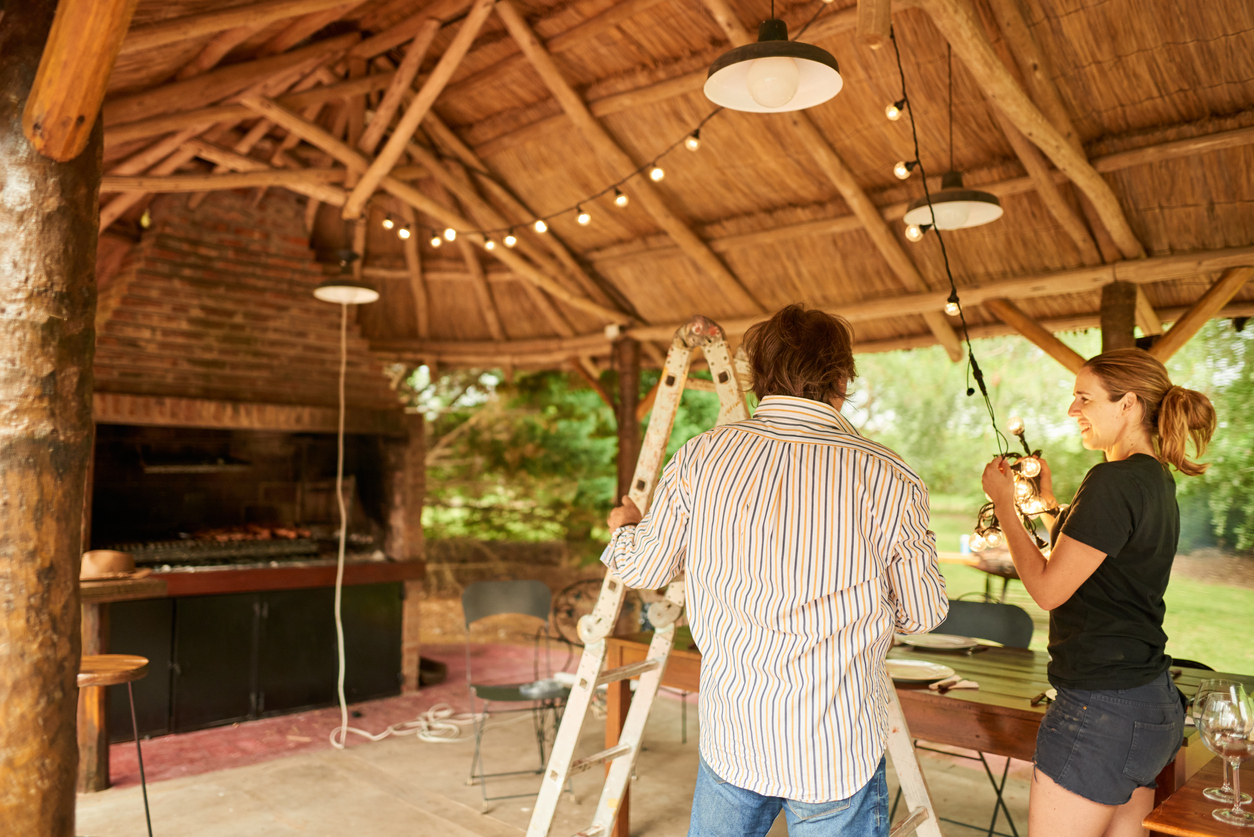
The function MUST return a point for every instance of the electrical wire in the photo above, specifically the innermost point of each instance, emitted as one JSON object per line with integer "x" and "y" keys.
{"x": 973, "y": 366}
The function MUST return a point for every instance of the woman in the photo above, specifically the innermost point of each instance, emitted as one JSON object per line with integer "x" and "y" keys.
{"x": 1118, "y": 719}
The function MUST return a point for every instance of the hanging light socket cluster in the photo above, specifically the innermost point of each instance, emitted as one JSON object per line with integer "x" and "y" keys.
{"x": 1028, "y": 499}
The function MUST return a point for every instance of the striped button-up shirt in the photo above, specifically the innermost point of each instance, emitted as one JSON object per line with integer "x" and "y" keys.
{"x": 805, "y": 547}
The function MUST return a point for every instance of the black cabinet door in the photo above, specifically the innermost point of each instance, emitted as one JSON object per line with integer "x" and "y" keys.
{"x": 296, "y": 664}
{"x": 145, "y": 628}
{"x": 372, "y": 640}
{"x": 215, "y": 659}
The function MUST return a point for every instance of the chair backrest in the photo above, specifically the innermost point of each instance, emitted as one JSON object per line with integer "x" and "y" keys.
{"x": 488, "y": 598}
{"x": 1008, "y": 624}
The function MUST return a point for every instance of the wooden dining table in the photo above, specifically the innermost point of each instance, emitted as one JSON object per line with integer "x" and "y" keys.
{"x": 999, "y": 718}
{"x": 1187, "y": 813}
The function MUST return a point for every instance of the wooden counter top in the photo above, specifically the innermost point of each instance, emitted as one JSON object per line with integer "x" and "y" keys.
{"x": 207, "y": 582}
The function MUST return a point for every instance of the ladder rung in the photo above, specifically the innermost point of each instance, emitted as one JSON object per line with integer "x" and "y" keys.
{"x": 594, "y": 831}
{"x": 911, "y": 823}
{"x": 700, "y": 384}
{"x": 611, "y": 675}
{"x": 614, "y": 752}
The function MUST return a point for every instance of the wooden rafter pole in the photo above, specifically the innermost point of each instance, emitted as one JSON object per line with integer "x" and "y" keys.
{"x": 194, "y": 26}
{"x": 354, "y": 159}
{"x": 478, "y": 279}
{"x": 875, "y": 21}
{"x": 1043, "y": 338}
{"x": 61, "y": 111}
{"x": 413, "y": 264}
{"x": 954, "y": 18}
{"x": 1146, "y": 317}
{"x": 401, "y": 80}
{"x": 1216, "y": 297}
{"x": 242, "y": 179}
{"x": 316, "y": 183}
{"x": 48, "y": 295}
{"x": 838, "y": 173}
{"x": 593, "y": 383}
{"x": 431, "y": 88}
{"x": 616, "y": 158}
{"x": 217, "y": 49}
{"x": 407, "y": 29}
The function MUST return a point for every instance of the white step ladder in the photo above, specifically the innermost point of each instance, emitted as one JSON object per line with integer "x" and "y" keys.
{"x": 706, "y": 335}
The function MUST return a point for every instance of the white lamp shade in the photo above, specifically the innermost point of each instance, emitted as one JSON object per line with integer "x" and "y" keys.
{"x": 345, "y": 291}
{"x": 955, "y": 207}
{"x": 731, "y": 76}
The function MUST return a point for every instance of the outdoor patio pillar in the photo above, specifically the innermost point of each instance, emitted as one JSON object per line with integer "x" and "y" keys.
{"x": 1118, "y": 316}
{"x": 405, "y": 476}
{"x": 48, "y": 226}
{"x": 627, "y": 363}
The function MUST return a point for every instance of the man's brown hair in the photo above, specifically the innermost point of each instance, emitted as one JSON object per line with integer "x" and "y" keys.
{"x": 803, "y": 353}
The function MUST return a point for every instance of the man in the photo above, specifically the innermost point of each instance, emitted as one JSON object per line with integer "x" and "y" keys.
{"x": 805, "y": 547}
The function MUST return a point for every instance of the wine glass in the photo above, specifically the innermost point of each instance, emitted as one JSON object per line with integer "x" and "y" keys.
{"x": 1227, "y": 726}
{"x": 1205, "y": 688}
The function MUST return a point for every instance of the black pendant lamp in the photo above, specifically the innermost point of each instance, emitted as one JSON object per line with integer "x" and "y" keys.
{"x": 954, "y": 207}
{"x": 345, "y": 288}
{"x": 774, "y": 75}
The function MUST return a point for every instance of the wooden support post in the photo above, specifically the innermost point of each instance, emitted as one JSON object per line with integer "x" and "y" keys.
{"x": 48, "y": 294}
{"x": 1146, "y": 317}
{"x": 1043, "y": 338}
{"x": 93, "y": 707}
{"x": 627, "y": 363}
{"x": 405, "y": 482}
{"x": 65, "y": 99}
{"x": 1118, "y": 316}
{"x": 431, "y": 89}
{"x": 1215, "y": 298}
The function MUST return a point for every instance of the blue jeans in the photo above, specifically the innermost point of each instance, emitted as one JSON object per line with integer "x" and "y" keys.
{"x": 720, "y": 809}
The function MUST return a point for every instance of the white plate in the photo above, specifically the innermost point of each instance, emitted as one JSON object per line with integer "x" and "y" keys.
{"x": 917, "y": 671}
{"x": 946, "y": 642}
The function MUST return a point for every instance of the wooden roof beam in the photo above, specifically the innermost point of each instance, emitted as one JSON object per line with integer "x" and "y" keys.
{"x": 407, "y": 30}
{"x": 606, "y": 146}
{"x": 875, "y": 22}
{"x": 413, "y": 267}
{"x": 304, "y": 27}
{"x": 1146, "y": 317}
{"x": 478, "y": 280}
{"x": 246, "y": 179}
{"x": 195, "y": 26}
{"x": 1216, "y": 297}
{"x": 356, "y": 160}
{"x": 418, "y": 108}
{"x": 838, "y": 173}
{"x": 954, "y": 18}
{"x": 217, "y": 49}
{"x": 1043, "y": 338}
{"x": 401, "y": 80}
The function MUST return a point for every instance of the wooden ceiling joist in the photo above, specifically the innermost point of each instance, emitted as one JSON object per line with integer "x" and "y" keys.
{"x": 1216, "y": 297}
{"x": 217, "y": 49}
{"x": 404, "y": 76}
{"x": 1041, "y": 337}
{"x": 1146, "y": 317}
{"x": 599, "y": 138}
{"x": 413, "y": 270}
{"x": 61, "y": 108}
{"x": 312, "y": 182}
{"x": 406, "y": 30}
{"x": 954, "y": 19}
{"x": 194, "y": 26}
{"x": 354, "y": 159}
{"x": 431, "y": 88}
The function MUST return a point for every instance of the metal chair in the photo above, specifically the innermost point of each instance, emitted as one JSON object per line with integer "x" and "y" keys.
{"x": 1011, "y": 626}
{"x": 543, "y": 696}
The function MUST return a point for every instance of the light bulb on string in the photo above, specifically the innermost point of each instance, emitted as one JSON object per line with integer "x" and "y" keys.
{"x": 893, "y": 111}
{"x": 656, "y": 173}
{"x": 436, "y": 241}
{"x": 1016, "y": 426}
{"x": 977, "y": 543}
{"x": 404, "y": 233}
{"x": 388, "y": 223}
{"x": 510, "y": 239}
{"x": 993, "y": 538}
{"x": 450, "y": 234}
{"x": 952, "y": 308}
{"x": 620, "y": 200}
{"x": 914, "y": 232}
{"x": 489, "y": 244}
{"x": 584, "y": 218}
{"x": 1023, "y": 491}
{"x": 903, "y": 168}
{"x": 693, "y": 141}
{"x": 1030, "y": 466}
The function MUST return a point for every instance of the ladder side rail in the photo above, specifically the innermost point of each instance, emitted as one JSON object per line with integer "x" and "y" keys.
{"x": 731, "y": 401}
{"x": 909, "y": 773}
{"x": 657, "y": 436}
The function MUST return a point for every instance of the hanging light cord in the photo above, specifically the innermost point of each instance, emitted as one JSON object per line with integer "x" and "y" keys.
{"x": 339, "y": 561}
{"x": 973, "y": 366}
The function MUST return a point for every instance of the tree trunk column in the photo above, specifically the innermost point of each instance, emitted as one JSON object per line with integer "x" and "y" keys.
{"x": 1118, "y": 316}
{"x": 627, "y": 362}
{"x": 405, "y": 463}
{"x": 48, "y": 221}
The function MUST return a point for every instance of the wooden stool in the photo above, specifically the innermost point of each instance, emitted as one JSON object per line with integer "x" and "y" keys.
{"x": 100, "y": 670}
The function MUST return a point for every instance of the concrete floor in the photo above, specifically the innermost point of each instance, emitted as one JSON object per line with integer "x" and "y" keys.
{"x": 403, "y": 786}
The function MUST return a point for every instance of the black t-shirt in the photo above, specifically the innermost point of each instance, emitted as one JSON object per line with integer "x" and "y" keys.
{"x": 1109, "y": 634}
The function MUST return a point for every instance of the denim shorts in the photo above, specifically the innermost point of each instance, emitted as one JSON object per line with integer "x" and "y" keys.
{"x": 1103, "y": 745}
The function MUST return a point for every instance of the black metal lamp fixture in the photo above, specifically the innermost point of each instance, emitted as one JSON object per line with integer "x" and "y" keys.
{"x": 774, "y": 75}
{"x": 345, "y": 288}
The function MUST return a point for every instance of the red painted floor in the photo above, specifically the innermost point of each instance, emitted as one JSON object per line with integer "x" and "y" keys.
{"x": 204, "y": 751}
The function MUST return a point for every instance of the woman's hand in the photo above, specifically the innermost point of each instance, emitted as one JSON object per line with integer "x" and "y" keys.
{"x": 999, "y": 482}
{"x": 624, "y": 515}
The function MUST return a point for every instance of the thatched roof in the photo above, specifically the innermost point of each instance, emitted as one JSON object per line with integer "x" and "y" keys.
{"x": 1157, "y": 96}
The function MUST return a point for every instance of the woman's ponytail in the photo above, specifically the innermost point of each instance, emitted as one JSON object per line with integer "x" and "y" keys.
{"x": 1171, "y": 415}
{"x": 1184, "y": 414}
